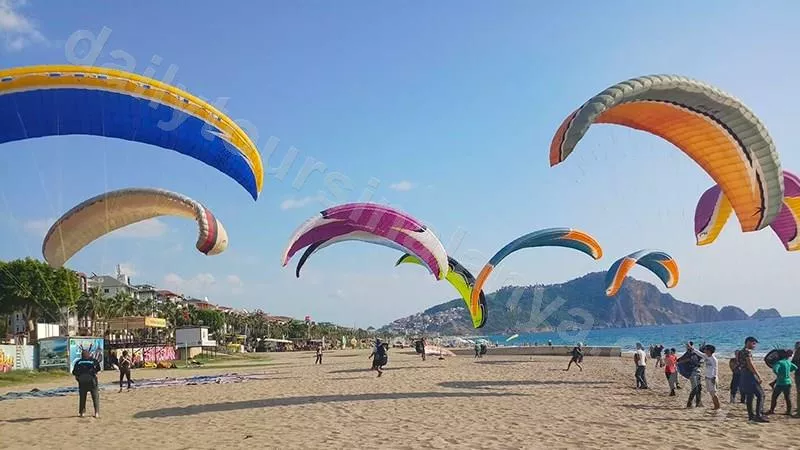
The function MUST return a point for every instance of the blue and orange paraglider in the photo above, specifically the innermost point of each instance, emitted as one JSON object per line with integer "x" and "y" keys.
{"x": 550, "y": 237}
{"x": 713, "y": 128}
{"x": 658, "y": 262}
{"x": 67, "y": 100}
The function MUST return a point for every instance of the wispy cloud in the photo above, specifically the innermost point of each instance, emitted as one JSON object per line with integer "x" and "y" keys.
{"x": 38, "y": 227}
{"x": 296, "y": 203}
{"x": 198, "y": 286}
{"x": 402, "y": 186}
{"x": 128, "y": 269}
{"x": 16, "y": 30}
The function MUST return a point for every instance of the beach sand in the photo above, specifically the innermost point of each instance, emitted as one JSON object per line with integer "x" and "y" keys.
{"x": 497, "y": 402}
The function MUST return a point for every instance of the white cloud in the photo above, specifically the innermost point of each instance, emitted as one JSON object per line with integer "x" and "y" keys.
{"x": 38, "y": 227}
{"x": 402, "y": 186}
{"x": 16, "y": 30}
{"x": 128, "y": 269}
{"x": 151, "y": 228}
{"x": 198, "y": 286}
{"x": 295, "y": 203}
{"x": 234, "y": 280}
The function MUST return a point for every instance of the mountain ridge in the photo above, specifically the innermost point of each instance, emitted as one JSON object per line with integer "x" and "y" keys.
{"x": 578, "y": 303}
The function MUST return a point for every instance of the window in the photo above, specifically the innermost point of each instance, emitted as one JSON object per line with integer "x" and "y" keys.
{"x": 105, "y": 291}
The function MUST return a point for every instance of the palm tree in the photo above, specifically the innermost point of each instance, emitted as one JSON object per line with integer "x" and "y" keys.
{"x": 94, "y": 306}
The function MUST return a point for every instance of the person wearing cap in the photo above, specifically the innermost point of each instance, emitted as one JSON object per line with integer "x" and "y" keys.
{"x": 750, "y": 381}
{"x": 577, "y": 356}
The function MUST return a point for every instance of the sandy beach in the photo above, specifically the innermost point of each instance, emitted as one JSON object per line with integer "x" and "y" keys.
{"x": 496, "y": 402}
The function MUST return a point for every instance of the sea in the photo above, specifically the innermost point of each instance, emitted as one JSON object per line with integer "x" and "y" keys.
{"x": 725, "y": 336}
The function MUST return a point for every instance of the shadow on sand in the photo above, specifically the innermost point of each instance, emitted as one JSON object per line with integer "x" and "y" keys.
{"x": 489, "y": 384}
{"x": 367, "y": 369}
{"x": 297, "y": 401}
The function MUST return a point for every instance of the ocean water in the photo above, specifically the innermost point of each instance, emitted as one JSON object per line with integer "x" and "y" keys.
{"x": 725, "y": 336}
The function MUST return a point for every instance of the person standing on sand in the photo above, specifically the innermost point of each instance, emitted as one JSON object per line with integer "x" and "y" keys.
{"x": 671, "y": 370}
{"x": 796, "y": 362}
{"x": 125, "y": 364}
{"x": 659, "y": 352}
{"x": 319, "y": 355}
{"x": 577, "y": 355}
{"x": 735, "y": 377}
{"x": 477, "y": 350}
{"x": 707, "y": 354}
{"x": 85, "y": 372}
{"x": 692, "y": 363}
{"x": 750, "y": 381}
{"x": 422, "y": 346}
{"x": 640, "y": 358}
{"x": 783, "y": 369}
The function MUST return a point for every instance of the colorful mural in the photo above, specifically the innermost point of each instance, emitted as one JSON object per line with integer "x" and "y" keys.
{"x": 92, "y": 344}
{"x": 8, "y": 356}
{"x": 149, "y": 354}
{"x": 53, "y": 353}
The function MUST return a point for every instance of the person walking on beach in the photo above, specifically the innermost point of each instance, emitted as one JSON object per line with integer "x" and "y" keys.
{"x": 640, "y": 359}
{"x": 691, "y": 363}
{"x": 750, "y": 381}
{"x": 319, "y": 355}
{"x": 783, "y": 369}
{"x": 658, "y": 352}
{"x": 671, "y": 370}
{"x": 796, "y": 362}
{"x": 707, "y": 354}
{"x": 85, "y": 372}
{"x": 422, "y": 346}
{"x": 577, "y": 356}
{"x": 477, "y": 350}
{"x": 379, "y": 357}
{"x": 125, "y": 364}
{"x": 736, "y": 373}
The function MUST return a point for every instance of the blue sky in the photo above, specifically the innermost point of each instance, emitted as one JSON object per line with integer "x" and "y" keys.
{"x": 448, "y": 107}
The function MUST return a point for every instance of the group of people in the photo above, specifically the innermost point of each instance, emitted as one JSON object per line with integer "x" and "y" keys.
{"x": 746, "y": 379}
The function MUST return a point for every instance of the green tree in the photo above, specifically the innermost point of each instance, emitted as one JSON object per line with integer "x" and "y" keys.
{"x": 94, "y": 306}
{"x": 213, "y": 319}
{"x": 37, "y": 291}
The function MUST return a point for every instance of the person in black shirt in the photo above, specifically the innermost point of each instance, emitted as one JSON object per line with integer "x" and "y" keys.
{"x": 379, "y": 357}
{"x": 85, "y": 372}
{"x": 577, "y": 356}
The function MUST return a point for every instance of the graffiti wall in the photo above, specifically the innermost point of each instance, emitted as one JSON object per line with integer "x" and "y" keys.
{"x": 150, "y": 354}
{"x": 92, "y": 344}
{"x": 9, "y": 355}
{"x": 53, "y": 353}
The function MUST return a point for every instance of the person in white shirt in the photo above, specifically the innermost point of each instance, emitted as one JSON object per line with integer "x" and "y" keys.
{"x": 640, "y": 358}
{"x": 711, "y": 370}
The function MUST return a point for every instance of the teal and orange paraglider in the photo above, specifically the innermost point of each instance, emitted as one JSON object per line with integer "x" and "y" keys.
{"x": 550, "y": 237}
{"x": 658, "y": 262}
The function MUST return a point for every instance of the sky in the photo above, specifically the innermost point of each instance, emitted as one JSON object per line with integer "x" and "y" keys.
{"x": 443, "y": 109}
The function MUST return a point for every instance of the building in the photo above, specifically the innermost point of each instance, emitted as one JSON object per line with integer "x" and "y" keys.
{"x": 200, "y": 304}
{"x": 163, "y": 296}
{"x": 146, "y": 292}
